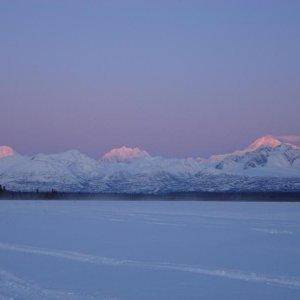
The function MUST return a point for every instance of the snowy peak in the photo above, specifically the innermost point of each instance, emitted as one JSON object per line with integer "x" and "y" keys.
{"x": 125, "y": 154}
{"x": 265, "y": 141}
{"x": 267, "y": 155}
{"x": 6, "y": 151}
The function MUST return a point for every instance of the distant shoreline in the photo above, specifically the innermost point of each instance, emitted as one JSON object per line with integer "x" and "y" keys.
{"x": 283, "y": 196}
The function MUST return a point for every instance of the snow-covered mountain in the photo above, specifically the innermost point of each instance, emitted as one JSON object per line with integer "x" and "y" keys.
{"x": 266, "y": 165}
{"x": 266, "y": 156}
{"x": 125, "y": 154}
{"x": 65, "y": 171}
{"x": 6, "y": 151}
{"x": 265, "y": 141}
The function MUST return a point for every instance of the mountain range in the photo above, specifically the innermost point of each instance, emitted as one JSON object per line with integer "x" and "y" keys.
{"x": 267, "y": 164}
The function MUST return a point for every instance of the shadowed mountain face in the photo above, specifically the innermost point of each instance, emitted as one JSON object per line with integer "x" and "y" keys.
{"x": 266, "y": 165}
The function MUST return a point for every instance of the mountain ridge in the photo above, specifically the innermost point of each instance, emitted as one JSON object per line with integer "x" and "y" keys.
{"x": 267, "y": 164}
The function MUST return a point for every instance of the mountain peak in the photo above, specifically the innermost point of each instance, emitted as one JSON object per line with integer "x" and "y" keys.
{"x": 265, "y": 141}
{"x": 125, "y": 154}
{"x": 6, "y": 151}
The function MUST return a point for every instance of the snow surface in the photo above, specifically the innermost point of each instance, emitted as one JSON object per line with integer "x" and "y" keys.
{"x": 149, "y": 250}
{"x": 266, "y": 165}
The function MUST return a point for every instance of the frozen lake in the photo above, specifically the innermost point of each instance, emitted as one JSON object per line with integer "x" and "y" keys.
{"x": 149, "y": 250}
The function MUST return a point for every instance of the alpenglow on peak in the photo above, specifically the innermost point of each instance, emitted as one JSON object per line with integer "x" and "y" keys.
{"x": 125, "y": 154}
{"x": 265, "y": 141}
{"x": 6, "y": 151}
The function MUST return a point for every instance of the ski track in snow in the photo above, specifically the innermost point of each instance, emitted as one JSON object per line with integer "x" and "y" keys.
{"x": 13, "y": 287}
{"x": 14, "y": 282}
{"x": 272, "y": 231}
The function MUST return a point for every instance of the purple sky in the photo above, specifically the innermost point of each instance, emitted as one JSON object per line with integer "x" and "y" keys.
{"x": 177, "y": 78}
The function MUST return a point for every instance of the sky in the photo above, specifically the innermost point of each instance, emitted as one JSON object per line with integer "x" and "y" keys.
{"x": 176, "y": 78}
